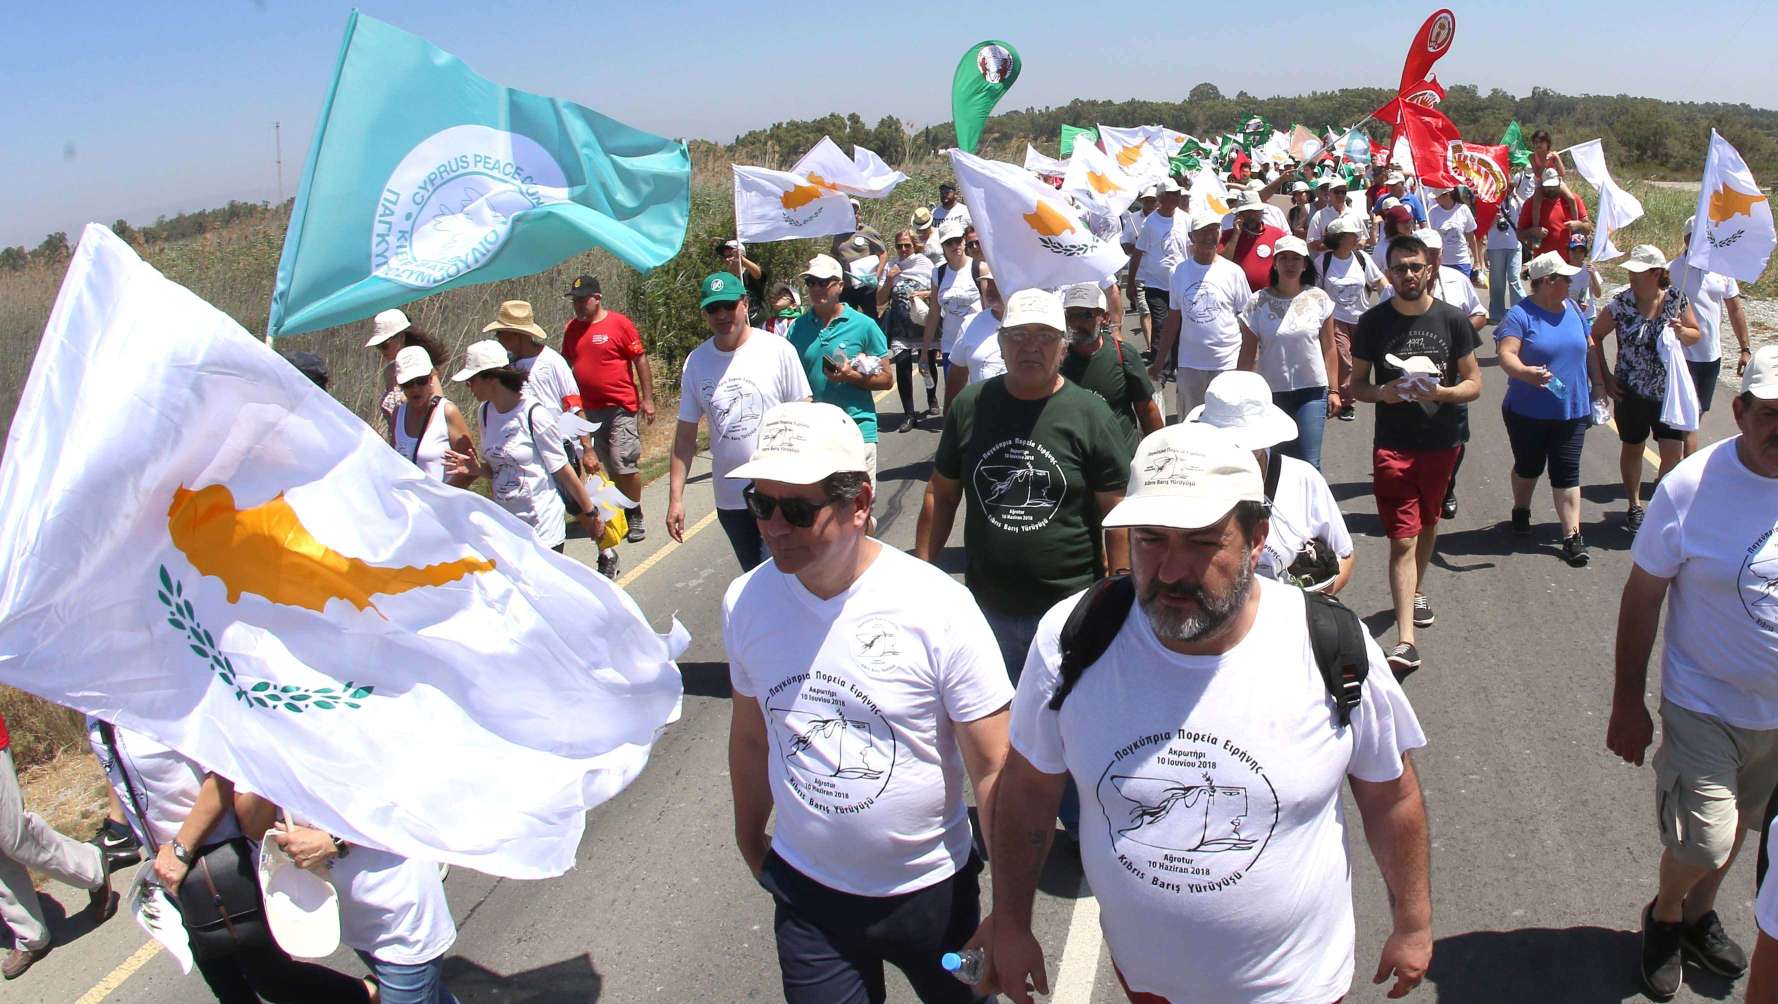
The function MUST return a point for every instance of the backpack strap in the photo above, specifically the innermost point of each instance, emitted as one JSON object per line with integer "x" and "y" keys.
{"x": 1337, "y": 637}
{"x": 1090, "y": 629}
{"x": 1274, "y": 469}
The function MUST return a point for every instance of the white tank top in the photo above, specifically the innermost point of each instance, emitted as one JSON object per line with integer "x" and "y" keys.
{"x": 433, "y": 442}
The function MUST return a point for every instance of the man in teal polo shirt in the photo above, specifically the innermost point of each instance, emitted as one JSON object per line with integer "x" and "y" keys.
{"x": 843, "y": 351}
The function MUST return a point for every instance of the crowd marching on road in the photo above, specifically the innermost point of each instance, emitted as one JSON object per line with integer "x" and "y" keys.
{"x": 1147, "y": 629}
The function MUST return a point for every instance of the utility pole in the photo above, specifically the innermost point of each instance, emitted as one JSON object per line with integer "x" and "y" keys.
{"x": 278, "y": 153}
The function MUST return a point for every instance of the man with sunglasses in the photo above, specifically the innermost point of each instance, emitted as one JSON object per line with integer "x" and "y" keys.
{"x": 1422, "y": 421}
{"x": 843, "y": 352}
{"x": 866, "y": 684}
{"x": 731, "y": 380}
{"x": 1040, "y": 461}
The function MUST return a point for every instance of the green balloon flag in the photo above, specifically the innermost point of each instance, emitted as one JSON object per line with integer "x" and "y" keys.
{"x": 985, "y": 72}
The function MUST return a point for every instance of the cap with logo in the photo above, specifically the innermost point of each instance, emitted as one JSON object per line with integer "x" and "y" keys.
{"x": 720, "y": 287}
{"x": 1239, "y": 403}
{"x": 412, "y": 363}
{"x": 583, "y": 286}
{"x": 1395, "y": 178}
{"x": 481, "y": 357}
{"x": 823, "y": 267}
{"x": 802, "y": 442}
{"x": 1547, "y": 264}
{"x": 1187, "y": 476}
{"x": 1035, "y": 307}
{"x": 1761, "y": 378}
{"x": 1246, "y": 202}
{"x": 1083, "y": 295}
{"x": 1550, "y": 178}
{"x": 387, "y": 325}
{"x": 516, "y": 315}
{"x": 1644, "y": 257}
{"x": 1290, "y": 243}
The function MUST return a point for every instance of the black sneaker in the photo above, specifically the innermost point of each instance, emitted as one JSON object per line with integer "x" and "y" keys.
{"x": 638, "y": 530}
{"x": 1423, "y": 616}
{"x": 1662, "y": 967}
{"x": 1348, "y": 414}
{"x": 1522, "y": 521}
{"x": 1449, "y": 509}
{"x": 908, "y": 424}
{"x": 608, "y": 564}
{"x": 118, "y": 844}
{"x": 1403, "y": 660}
{"x": 1705, "y": 942}
{"x": 1574, "y": 550}
{"x": 1633, "y": 518}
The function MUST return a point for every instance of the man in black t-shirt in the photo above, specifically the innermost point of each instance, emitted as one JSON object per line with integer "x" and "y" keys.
{"x": 1422, "y": 354}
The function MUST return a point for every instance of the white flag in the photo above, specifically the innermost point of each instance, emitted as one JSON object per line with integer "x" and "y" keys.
{"x": 1038, "y": 163}
{"x": 1032, "y": 237}
{"x": 780, "y": 206}
{"x": 1095, "y": 180}
{"x": 1732, "y": 234}
{"x": 1171, "y": 141}
{"x": 863, "y": 174}
{"x": 1208, "y": 190}
{"x": 1617, "y": 208}
{"x": 206, "y": 548}
{"x": 1137, "y": 151}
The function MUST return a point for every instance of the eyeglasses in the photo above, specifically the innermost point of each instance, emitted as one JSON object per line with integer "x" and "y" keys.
{"x": 722, "y": 308}
{"x": 799, "y": 513}
{"x": 810, "y": 282}
{"x": 1409, "y": 268}
{"x": 1025, "y": 336}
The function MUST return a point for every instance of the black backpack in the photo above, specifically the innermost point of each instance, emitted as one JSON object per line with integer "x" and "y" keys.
{"x": 1334, "y": 632}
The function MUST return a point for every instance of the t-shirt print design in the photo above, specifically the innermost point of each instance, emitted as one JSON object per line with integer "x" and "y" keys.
{"x": 1020, "y": 484}
{"x": 1202, "y": 300}
{"x": 1188, "y": 812}
{"x": 738, "y": 404}
{"x": 838, "y": 748}
{"x": 1759, "y": 580}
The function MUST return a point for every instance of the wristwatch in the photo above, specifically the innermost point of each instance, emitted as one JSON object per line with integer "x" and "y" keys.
{"x": 340, "y": 847}
{"x": 183, "y": 853}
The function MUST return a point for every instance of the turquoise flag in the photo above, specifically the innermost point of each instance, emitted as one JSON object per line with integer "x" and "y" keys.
{"x": 425, "y": 176}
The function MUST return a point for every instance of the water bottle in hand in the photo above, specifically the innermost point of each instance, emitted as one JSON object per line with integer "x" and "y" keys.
{"x": 1556, "y": 386}
{"x": 965, "y": 965}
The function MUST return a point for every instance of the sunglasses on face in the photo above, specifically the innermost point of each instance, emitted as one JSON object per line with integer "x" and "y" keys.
{"x": 721, "y": 308}
{"x": 904, "y": 247}
{"x": 799, "y": 513}
{"x": 811, "y": 282}
{"x": 1408, "y": 268}
{"x": 971, "y": 245}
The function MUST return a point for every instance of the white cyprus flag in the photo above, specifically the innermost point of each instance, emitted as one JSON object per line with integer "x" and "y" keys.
{"x": 203, "y": 546}
{"x": 863, "y": 174}
{"x": 1138, "y": 151}
{"x": 1030, "y": 234}
{"x": 1040, "y": 163}
{"x": 1095, "y": 180}
{"x": 1732, "y": 234}
{"x": 780, "y": 206}
{"x": 1617, "y": 208}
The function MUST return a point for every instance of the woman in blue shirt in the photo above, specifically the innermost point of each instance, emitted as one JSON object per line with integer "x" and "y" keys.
{"x": 1542, "y": 346}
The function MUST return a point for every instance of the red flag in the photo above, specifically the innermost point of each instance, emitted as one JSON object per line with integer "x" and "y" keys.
{"x": 1432, "y": 41}
{"x": 1487, "y": 170}
{"x": 1240, "y": 165}
{"x": 1430, "y": 137}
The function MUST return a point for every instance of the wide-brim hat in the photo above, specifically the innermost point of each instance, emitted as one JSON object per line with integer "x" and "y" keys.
{"x": 516, "y": 315}
{"x": 1239, "y": 403}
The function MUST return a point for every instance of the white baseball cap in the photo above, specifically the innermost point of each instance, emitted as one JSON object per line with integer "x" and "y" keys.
{"x": 1298, "y": 186}
{"x": 1644, "y": 257}
{"x": 1550, "y": 263}
{"x": 1034, "y": 306}
{"x": 1187, "y": 476}
{"x": 1550, "y": 178}
{"x": 1387, "y": 202}
{"x": 802, "y": 442}
{"x": 1204, "y": 216}
{"x": 1761, "y": 378}
{"x": 301, "y": 907}
{"x": 1150, "y": 192}
{"x": 480, "y": 357}
{"x": 1345, "y": 223}
{"x": 823, "y": 267}
{"x": 1323, "y": 181}
{"x": 1395, "y": 178}
{"x": 950, "y": 230}
{"x": 1245, "y": 201}
{"x": 1083, "y": 294}
{"x": 1290, "y": 242}
{"x": 387, "y": 325}
{"x": 1169, "y": 186}
{"x": 1239, "y": 402}
{"x": 1430, "y": 238}
{"x": 412, "y": 363}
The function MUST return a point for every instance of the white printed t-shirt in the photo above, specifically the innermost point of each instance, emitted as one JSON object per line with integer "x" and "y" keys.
{"x": 860, "y": 694}
{"x": 551, "y": 381}
{"x": 1303, "y": 509}
{"x": 958, "y": 301}
{"x": 1454, "y": 225}
{"x": 1160, "y": 252}
{"x": 1345, "y": 281}
{"x": 1209, "y": 299}
{"x": 1289, "y": 334}
{"x": 733, "y": 390}
{"x": 1707, "y": 291}
{"x": 978, "y": 347}
{"x": 1712, "y": 527}
{"x": 524, "y": 466}
{"x": 1454, "y": 288}
{"x": 1210, "y": 821}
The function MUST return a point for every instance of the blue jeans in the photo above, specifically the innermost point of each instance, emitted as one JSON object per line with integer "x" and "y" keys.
{"x": 744, "y": 537}
{"x": 409, "y": 984}
{"x": 1014, "y": 633}
{"x": 1505, "y": 288}
{"x": 1308, "y": 406}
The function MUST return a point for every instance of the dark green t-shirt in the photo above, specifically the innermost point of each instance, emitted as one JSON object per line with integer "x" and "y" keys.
{"x": 1029, "y": 470}
{"x": 1121, "y": 381}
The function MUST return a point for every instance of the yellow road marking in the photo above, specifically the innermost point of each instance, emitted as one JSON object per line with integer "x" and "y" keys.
{"x": 633, "y": 574}
{"x": 104, "y": 987}
{"x": 1653, "y": 458}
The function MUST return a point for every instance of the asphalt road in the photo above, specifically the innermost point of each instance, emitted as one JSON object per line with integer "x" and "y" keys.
{"x": 1544, "y": 845}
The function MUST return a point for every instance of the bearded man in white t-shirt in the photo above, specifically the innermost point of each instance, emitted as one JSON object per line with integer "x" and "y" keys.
{"x": 866, "y": 683}
{"x": 1709, "y": 545}
{"x": 1210, "y": 759}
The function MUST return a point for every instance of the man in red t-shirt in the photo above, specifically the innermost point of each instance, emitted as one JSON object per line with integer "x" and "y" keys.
{"x": 1560, "y": 218}
{"x": 611, "y": 367}
{"x": 1249, "y": 244}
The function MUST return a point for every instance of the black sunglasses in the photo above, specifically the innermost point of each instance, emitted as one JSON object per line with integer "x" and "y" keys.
{"x": 970, "y": 245}
{"x": 811, "y": 282}
{"x": 797, "y": 512}
{"x": 721, "y": 308}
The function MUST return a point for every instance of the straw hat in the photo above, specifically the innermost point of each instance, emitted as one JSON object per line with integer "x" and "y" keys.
{"x": 515, "y": 315}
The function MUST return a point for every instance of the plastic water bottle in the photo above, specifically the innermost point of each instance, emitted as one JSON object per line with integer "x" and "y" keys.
{"x": 965, "y": 965}
{"x": 931, "y": 378}
{"x": 1556, "y": 386}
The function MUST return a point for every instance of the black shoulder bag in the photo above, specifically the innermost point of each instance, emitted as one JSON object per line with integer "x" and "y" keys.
{"x": 219, "y": 901}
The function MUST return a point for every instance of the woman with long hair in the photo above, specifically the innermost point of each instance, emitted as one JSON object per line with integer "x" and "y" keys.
{"x": 1287, "y": 336}
{"x": 426, "y": 424}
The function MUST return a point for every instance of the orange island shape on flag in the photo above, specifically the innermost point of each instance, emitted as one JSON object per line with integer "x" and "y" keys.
{"x": 1726, "y": 203}
{"x": 267, "y": 551}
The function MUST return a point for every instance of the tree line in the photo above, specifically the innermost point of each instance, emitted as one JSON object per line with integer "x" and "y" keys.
{"x": 56, "y": 247}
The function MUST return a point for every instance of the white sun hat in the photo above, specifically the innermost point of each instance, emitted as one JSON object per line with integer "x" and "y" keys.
{"x": 1549, "y": 263}
{"x": 1239, "y": 402}
{"x": 1187, "y": 476}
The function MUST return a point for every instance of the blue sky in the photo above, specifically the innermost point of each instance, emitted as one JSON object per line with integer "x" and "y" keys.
{"x": 142, "y": 109}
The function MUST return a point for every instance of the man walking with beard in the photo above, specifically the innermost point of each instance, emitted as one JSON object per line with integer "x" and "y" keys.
{"x": 1190, "y": 702}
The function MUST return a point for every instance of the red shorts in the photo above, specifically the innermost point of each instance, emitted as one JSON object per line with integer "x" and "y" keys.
{"x": 1410, "y": 488}
{"x": 1138, "y": 997}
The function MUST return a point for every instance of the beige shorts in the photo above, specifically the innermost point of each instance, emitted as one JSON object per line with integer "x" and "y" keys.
{"x": 1190, "y": 387}
{"x": 618, "y": 441}
{"x": 1710, "y": 777}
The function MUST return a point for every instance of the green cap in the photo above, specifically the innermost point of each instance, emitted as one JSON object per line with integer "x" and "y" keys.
{"x": 721, "y": 287}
